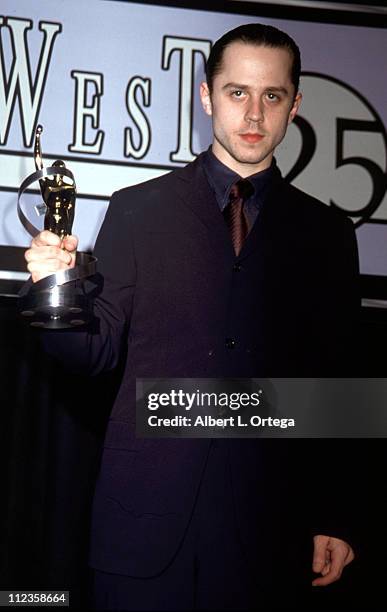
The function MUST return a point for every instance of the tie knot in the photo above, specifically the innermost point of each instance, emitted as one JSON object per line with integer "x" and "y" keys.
{"x": 241, "y": 189}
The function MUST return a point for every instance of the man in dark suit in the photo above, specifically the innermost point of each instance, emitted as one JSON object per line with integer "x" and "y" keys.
{"x": 218, "y": 269}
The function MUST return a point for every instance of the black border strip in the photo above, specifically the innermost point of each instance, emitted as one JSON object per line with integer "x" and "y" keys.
{"x": 80, "y": 196}
{"x": 90, "y": 196}
{"x": 258, "y": 9}
{"x": 92, "y": 160}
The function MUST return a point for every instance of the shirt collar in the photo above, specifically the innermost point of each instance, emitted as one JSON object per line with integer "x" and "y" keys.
{"x": 222, "y": 178}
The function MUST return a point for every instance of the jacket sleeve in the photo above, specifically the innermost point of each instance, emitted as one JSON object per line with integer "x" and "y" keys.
{"x": 347, "y": 305}
{"x": 98, "y": 348}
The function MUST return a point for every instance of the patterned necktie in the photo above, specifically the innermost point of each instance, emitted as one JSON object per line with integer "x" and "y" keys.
{"x": 234, "y": 214}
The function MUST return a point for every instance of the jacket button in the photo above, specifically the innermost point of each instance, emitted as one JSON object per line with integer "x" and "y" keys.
{"x": 237, "y": 268}
{"x": 230, "y": 343}
{"x": 210, "y": 353}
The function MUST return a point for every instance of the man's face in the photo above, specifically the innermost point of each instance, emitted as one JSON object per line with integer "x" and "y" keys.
{"x": 252, "y": 102}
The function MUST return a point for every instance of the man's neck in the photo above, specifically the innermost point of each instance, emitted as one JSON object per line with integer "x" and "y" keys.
{"x": 243, "y": 169}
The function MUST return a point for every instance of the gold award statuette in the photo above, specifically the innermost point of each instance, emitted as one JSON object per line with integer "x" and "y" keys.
{"x": 59, "y": 300}
{"x": 58, "y": 193}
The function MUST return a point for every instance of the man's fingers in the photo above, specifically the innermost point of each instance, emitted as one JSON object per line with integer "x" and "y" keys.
{"x": 318, "y": 563}
{"x": 334, "y": 567}
{"x": 49, "y": 266}
{"x": 44, "y": 253}
{"x": 350, "y": 557}
{"x": 328, "y": 579}
{"x": 326, "y": 569}
{"x": 70, "y": 243}
{"x": 42, "y": 269}
{"x": 337, "y": 555}
{"x": 49, "y": 254}
{"x": 46, "y": 238}
{"x": 320, "y": 552}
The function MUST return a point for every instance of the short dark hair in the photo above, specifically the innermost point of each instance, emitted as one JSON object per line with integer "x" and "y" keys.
{"x": 254, "y": 34}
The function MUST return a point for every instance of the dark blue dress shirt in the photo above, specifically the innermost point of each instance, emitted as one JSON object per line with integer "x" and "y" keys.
{"x": 221, "y": 178}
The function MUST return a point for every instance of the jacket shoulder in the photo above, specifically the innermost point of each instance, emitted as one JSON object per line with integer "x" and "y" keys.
{"x": 314, "y": 210}
{"x": 156, "y": 190}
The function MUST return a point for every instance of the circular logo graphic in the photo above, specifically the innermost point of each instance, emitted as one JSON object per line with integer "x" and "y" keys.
{"x": 341, "y": 149}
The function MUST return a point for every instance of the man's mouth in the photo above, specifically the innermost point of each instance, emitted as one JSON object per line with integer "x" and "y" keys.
{"x": 251, "y": 137}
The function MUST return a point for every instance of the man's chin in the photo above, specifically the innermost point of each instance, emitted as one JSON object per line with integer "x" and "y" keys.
{"x": 250, "y": 158}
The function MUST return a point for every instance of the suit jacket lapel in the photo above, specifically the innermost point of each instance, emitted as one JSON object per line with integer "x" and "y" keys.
{"x": 270, "y": 219}
{"x": 196, "y": 193}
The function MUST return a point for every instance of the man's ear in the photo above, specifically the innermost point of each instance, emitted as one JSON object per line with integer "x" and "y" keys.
{"x": 295, "y": 107}
{"x": 205, "y": 98}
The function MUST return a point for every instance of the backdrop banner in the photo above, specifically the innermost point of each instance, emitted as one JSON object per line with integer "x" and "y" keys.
{"x": 115, "y": 85}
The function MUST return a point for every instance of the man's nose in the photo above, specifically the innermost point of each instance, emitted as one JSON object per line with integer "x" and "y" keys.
{"x": 255, "y": 110}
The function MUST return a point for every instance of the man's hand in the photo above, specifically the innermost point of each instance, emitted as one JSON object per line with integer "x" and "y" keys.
{"x": 330, "y": 556}
{"x": 48, "y": 254}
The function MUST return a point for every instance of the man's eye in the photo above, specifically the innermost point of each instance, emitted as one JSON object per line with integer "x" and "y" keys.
{"x": 237, "y": 93}
{"x": 272, "y": 97}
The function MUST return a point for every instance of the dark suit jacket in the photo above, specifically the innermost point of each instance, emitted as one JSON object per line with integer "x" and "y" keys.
{"x": 173, "y": 293}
